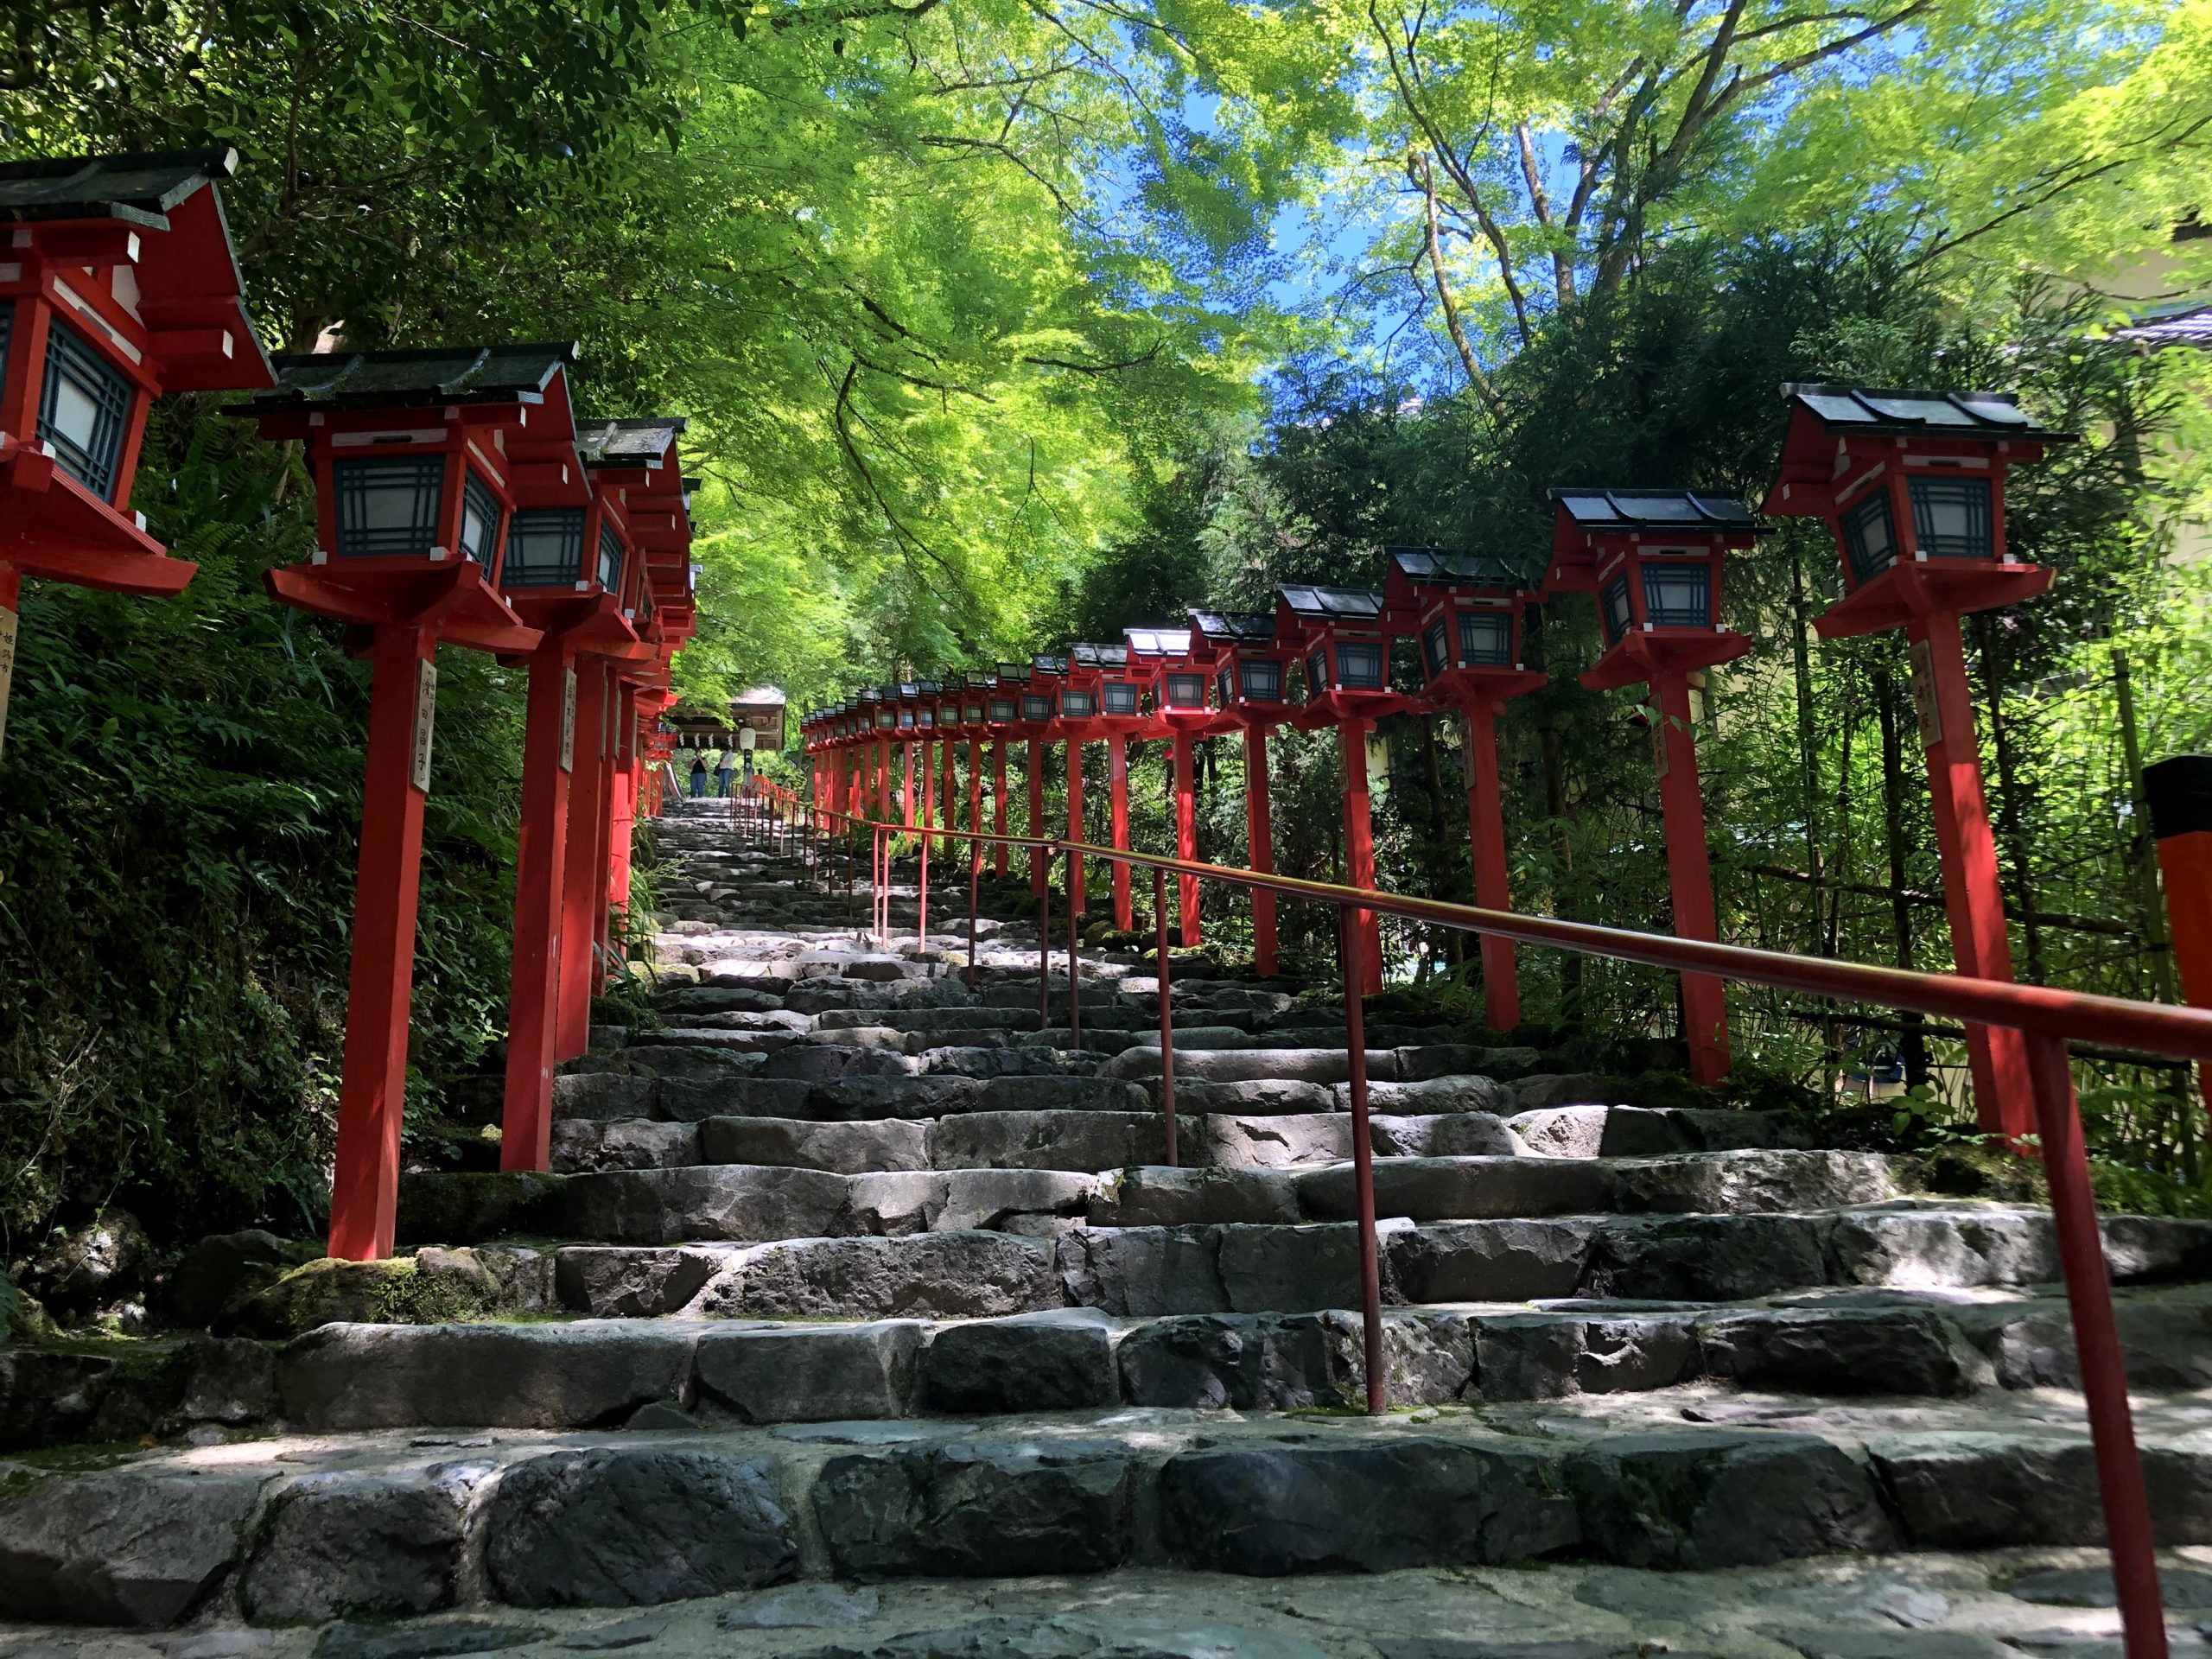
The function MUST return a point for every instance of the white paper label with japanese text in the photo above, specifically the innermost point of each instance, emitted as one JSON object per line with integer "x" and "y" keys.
{"x": 568, "y": 720}
{"x": 426, "y": 710}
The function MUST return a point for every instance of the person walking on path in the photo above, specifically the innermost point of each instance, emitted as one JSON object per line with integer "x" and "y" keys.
{"x": 698, "y": 776}
{"x": 726, "y": 766}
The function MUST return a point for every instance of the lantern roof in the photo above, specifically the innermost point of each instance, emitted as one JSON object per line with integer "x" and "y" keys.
{"x": 975, "y": 681}
{"x": 1017, "y": 673}
{"x": 1234, "y": 627}
{"x": 1433, "y": 566}
{"x": 191, "y": 296}
{"x": 1584, "y": 511}
{"x": 136, "y": 189}
{"x": 1305, "y": 614}
{"x": 437, "y": 374}
{"x": 1101, "y": 656}
{"x": 1049, "y": 664}
{"x": 1948, "y": 413}
{"x": 1158, "y": 642}
{"x": 929, "y": 688}
{"x": 647, "y": 441}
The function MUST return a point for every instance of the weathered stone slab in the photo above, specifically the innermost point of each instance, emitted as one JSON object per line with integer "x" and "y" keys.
{"x": 1037, "y": 1202}
{"x": 741, "y": 1202}
{"x": 1707, "y": 1258}
{"x": 468, "y": 1206}
{"x": 1446, "y": 1134}
{"x": 1844, "y": 1351}
{"x": 1739, "y": 1183}
{"x": 1277, "y": 1269}
{"x": 347, "y": 1376}
{"x": 120, "y": 1546}
{"x": 1428, "y": 1097}
{"x": 1143, "y": 1270}
{"x": 604, "y": 1096}
{"x": 799, "y": 1374}
{"x": 1273, "y": 1141}
{"x": 1273, "y": 1509}
{"x": 799, "y": 1143}
{"x": 1157, "y": 1195}
{"x": 1459, "y": 1189}
{"x": 1264, "y": 1097}
{"x": 819, "y": 1062}
{"x": 1418, "y": 1062}
{"x": 703, "y": 998}
{"x": 624, "y": 1526}
{"x": 1314, "y": 1065}
{"x": 1694, "y": 1500}
{"x": 1546, "y": 1355}
{"x": 1092, "y": 1141}
{"x": 1057, "y": 1360}
{"x": 1993, "y": 1489}
{"x": 1275, "y": 1362}
{"x": 690, "y": 1100}
{"x": 1588, "y": 1130}
{"x": 341, "y": 1542}
{"x": 581, "y": 1146}
{"x": 631, "y": 1280}
{"x": 978, "y": 1509}
{"x": 933, "y": 1276}
{"x": 850, "y": 1099}
{"x": 1511, "y": 1261}
{"x": 1059, "y": 1094}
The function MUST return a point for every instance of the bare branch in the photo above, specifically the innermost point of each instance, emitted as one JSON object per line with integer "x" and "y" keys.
{"x": 1424, "y": 176}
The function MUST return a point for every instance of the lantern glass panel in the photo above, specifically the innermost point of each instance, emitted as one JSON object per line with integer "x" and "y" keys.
{"x": 1316, "y": 672}
{"x": 1002, "y": 708}
{"x": 1262, "y": 681}
{"x": 1037, "y": 707}
{"x": 1870, "y": 539}
{"x": 1951, "y": 517}
{"x": 545, "y": 547}
{"x": 1485, "y": 638}
{"x": 1612, "y": 604}
{"x": 1186, "y": 690}
{"x": 905, "y": 720}
{"x": 1432, "y": 655}
{"x": 83, "y": 409}
{"x": 948, "y": 714}
{"x": 1678, "y": 595}
{"x": 885, "y": 719}
{"x": 974, "y": 714}
{"x": 610, "y": 559}
{"x": 389, "y": 505}
{"x": 479, "y": 520}
{"x": 1120, "y": 697}
{"x": 1075, "y": 705}
{"x": 925, "y": 716}
{"x": 1359, "y": 666}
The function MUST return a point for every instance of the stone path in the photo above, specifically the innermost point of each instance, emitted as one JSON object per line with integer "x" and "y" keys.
{"x": 861, "y": 1307}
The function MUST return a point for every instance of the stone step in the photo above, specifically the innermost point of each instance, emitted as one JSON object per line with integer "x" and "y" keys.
{"x": 293, "y": 1530}
{"x": 728, "y": 1198}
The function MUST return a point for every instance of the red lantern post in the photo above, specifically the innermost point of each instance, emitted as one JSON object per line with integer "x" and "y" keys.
{"x": 1041, "y": 712}
{"x": 417, "y": 458}
{"x": 2180, "y": 792}
{"x": 974, "y": 724}
{"x": 1346, "y": 646}
{"x": 1465, "y": 612}
{"x": 1251, "y": 695}
{"x": 1653, "y": 557}
{"x": 1008, "y": 686}
{"x": 1912, "y": 485}
{"x": 117, "y": 284}
{"x": 1177, "y": 680}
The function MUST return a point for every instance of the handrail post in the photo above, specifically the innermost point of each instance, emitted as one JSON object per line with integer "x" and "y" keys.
{"x": 922, "y": 901}
{"x": 1166, "y": 1017}
{"x": 2096, "y": 1340}
{"x": 1039, "y": 856}
{"x": 1075, "y": 967}
{"x": 1363, "y": 1161}
{"x": 974, "y": 883}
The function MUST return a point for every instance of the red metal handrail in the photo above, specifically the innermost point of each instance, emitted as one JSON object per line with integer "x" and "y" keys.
{"x": 2045, "y": 1017}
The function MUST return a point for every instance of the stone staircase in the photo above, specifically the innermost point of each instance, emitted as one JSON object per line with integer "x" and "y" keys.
{"x": 858, "y": 1281}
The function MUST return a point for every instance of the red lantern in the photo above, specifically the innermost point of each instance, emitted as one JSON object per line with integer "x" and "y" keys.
{"x": 418, "y": 457}
{"x": 1113, "y": 708}
{"x": 1251, "y": 695}
{"x": 1344, "y": 641}
{"x": 117, "y": 284}
{"x": 1653, "y": 557}
{"x": 575, "y": 568}
{"x": 1912, "y": 484}
{"x": 1465, "y": 613}
{"x": 1165, "y": 661}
